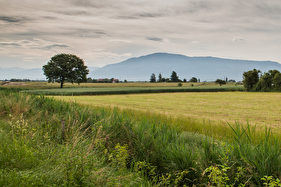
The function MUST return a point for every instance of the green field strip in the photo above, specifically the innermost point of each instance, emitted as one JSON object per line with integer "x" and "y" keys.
{"x": 131, "y": 90}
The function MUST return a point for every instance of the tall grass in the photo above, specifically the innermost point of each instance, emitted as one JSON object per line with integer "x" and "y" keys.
{"x": 34, "y": 152}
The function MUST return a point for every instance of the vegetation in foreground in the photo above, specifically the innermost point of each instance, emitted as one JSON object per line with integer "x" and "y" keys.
{"x": 104, "y": 147}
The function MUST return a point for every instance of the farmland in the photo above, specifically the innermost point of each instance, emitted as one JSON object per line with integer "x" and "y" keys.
{"x": 255, "y": 108}
{"x": 132, "y": 88}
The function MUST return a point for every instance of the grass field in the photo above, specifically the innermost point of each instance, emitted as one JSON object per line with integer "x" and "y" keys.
{"x": 255, "y": 108}
{"x": 121, "y": 88}
{"x": 45, "y": 85}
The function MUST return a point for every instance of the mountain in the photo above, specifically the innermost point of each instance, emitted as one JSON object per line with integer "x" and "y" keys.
{"x": 21, "y": 73}
{"x": 204, "y": 68}
{"x": 141, "y": 68}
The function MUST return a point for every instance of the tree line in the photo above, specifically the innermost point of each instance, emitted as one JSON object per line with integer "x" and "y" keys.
{"x": 173, "y": 78}
{"x": 255, "y": 80}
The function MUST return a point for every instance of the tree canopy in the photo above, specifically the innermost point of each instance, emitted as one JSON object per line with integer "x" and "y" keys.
{"x": 66, "y": 67}
{"x": 160, "y": 78}
{"x": 193, "y": 79}
{"x": 250, "y": 78}
{"x": 266, "y": 82}
{"x": 220, "y": 82}
{"x": 153, "y": 78}
{"x": 174, "y": 77}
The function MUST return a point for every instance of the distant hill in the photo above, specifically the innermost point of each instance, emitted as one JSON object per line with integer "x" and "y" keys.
{"x": 204, "y": 68}
{"x": 21, "y": 73}
{"x": 141, "y": 68}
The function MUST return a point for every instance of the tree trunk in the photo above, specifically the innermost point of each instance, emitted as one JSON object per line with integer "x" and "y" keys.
{"x": 61, "y": 82}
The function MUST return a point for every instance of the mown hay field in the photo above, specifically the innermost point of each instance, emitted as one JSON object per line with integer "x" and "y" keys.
{"x": 228, "y": 107}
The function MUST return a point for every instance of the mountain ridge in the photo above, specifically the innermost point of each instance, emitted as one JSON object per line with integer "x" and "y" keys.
{"x": 204, "y": 68}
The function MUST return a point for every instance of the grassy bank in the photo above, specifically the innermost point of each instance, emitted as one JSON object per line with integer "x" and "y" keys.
{"x": 108, "y": 147}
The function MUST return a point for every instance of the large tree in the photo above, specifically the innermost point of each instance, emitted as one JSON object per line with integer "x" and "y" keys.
{"x": 66, "y": 67}
{"x": 153, "y": 78}
{"x": 174, "y": 77}
{"x": 250, "y": 79}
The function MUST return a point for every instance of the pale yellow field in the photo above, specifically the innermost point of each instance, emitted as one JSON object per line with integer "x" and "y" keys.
{"x": 256, "y": 108}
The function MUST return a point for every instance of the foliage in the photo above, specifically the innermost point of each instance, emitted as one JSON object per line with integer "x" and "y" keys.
{"x": 119, "y": 157}
{"x": 66, "y": 67}
{"x": 220, "y": 82}
{"x": 152, "y": 78}
{"x": 250, "y": 78}
{"x": 160, "y": 79}
{"x": 174, "y": 77}
{"x": 266, "y": 82}
{"x": 193, "y": 79}
{"x": 269, "y": 181}
{"x": 269, "y": 81}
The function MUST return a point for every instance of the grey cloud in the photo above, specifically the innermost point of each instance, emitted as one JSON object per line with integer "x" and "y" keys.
{"x": 155, "y": 39}
{"x": 89, "y": 3}
{"x": 139, "y": 16}
{"x": 10, "y": 44}
{"x": 73, "y": 13}
{"x": 87, "y": 33}
{"x": 149, "y": 15}
{"x": 11, "y": 19}
{"x": 50, "y": 17}
{"x": 35, "y": 44}
{"x": 55, "y": 46}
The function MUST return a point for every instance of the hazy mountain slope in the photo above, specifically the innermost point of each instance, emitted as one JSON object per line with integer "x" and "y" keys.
{"x": 21, "y": 73}
{"x": 204, "y": 68}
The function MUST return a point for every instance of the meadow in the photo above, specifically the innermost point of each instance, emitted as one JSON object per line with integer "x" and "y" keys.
{"x": 258, "y": 109}
{"x": 50, "y": 142}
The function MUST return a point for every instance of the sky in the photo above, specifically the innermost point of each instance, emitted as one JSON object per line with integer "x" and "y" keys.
{"x": 104, "y": 32}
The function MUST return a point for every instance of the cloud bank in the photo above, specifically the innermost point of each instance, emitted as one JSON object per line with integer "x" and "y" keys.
{"x": 37, "y": 30}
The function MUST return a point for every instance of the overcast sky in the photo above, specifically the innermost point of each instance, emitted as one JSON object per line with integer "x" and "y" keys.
{"x": 110, "y": 31}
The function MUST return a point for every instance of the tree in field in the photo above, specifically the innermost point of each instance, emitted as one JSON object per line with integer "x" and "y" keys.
{"x": 220, "y": 82}
{"x": 193, "y": 79}
{"x": 250, "y": 79}
{"x": 153, "y": 78}
{"x": 174, "y": 77}
{"x": 159, "y": 77}
{"x": 66, "y": 67}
